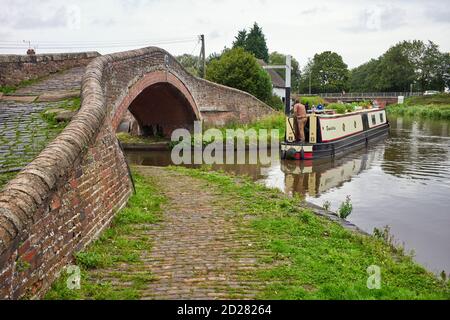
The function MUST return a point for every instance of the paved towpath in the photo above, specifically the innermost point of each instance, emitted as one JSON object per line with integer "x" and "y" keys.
{"x": 198, "y": 251}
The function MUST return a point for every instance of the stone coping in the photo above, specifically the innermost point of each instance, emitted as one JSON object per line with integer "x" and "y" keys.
{"x": 15, "y": 58}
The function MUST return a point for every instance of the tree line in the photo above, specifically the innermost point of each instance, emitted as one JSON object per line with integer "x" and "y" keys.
{"x": 407, "y": 65}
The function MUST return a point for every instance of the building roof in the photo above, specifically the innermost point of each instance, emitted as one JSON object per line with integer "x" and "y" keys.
{"x": 277, "y": 80}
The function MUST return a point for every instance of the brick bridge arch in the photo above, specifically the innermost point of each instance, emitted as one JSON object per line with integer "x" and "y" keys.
{"x": 70, "y": 192}
{"x": 159, "y": 101}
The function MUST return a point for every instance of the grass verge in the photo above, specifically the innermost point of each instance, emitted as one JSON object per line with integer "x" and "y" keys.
{"x": 433, "y": 107}
{"x": 121, "y": 243}
{"x": 127, "y": 138}
{"x": 275, "y": 121}
{"x": 423, "y": 111}
{"x": 314, "y": 258}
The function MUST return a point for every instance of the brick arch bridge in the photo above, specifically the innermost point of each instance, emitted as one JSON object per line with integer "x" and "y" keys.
{"x": 69, "y": 193}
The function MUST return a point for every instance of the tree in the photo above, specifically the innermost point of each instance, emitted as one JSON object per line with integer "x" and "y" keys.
{"x": 394, "y": 72}
{"x": 240, "y": 39}
{"x": 363, "y": 77}
{"x": 253, "y": 41}
{"x": 425, "y": 59}
{"x": 239, "y": 69}
{"x": 276, "y": 58}
{"x": 328, "y": 73}
{"x": 442, "y": 79}
{"x": 256, "y": 43}
{"x": 406, "y": 63}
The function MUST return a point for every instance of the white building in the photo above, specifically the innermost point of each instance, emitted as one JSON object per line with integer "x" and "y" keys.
{"x": 278, "y": 83}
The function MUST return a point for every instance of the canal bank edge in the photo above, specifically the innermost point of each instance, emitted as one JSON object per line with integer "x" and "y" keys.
{"x": 237, "y": 239}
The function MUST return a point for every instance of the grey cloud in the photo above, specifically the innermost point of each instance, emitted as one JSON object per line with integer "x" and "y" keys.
{"x": 377, "y": 18}
{"x": 439, "y": 14}
{"x": 30, "y": 15}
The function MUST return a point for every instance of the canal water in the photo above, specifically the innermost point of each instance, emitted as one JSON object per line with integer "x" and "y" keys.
{"x": 402, "y": 182}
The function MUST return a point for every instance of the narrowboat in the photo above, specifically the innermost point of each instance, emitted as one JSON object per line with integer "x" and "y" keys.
{"x": 330, "y": 135}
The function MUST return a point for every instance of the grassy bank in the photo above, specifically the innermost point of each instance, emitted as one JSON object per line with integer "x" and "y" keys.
{"x": 127, "y": 138}
{"x": 115, "y": 247}
{"x": 274, "y": 121}
{"x": 433, "y": 107}
{"x": 314, "y": 258}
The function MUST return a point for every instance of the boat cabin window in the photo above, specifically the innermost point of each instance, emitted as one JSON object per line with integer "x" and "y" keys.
{"x": 381, "y": 117}
{"x": 374, "y": 120}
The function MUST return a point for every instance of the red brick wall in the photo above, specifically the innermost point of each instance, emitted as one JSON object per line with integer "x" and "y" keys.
{"x": 66, "y": 196}
{"x": 77, "y": 208}
{"x": 16, "y": 68}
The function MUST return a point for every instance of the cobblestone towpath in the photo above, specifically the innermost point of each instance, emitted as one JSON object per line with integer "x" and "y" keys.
{"x": 198, "y": 250}
{"x": 24, "y": 133}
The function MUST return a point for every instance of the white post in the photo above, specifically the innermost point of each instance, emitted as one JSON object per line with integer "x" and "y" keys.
{"x": 288, "y": 70}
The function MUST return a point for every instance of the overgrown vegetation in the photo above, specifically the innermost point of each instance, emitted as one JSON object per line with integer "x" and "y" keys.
{"x": 312, "y": 100}
{"x": 7, "y": 89}
{"x": 127, "y": 138}
{"x": 313, "y": 258}
{"x": 22, "y": 84}
{"x": 434, "y": 107}
{"x": 274, "y": 121}
{"x": 119, "y": 244}
{"x": 346, "y": 208}
{"x": 49, "y": 114}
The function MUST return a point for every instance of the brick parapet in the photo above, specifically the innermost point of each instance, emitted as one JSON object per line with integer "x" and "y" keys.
{"x": 70, "y": 192}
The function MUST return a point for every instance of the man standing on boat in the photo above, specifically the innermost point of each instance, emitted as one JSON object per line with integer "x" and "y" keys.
{"x": 301, "y": 118}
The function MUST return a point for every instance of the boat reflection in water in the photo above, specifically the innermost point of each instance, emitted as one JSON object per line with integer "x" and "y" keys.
{"x": 313, "y": 178}
{"x": 308, "y": 178}
{"x": 403, "y": 182}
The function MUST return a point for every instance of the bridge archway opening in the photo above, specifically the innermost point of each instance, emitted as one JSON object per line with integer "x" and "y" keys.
{"x": 156, "y": 105}
{"x": 160, "y": 109}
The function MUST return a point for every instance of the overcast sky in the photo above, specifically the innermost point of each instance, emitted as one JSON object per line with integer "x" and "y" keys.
{"x": 358, "y": 30}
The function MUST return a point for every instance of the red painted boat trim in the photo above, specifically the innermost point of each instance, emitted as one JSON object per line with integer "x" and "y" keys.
{"x": 308, "y": 156}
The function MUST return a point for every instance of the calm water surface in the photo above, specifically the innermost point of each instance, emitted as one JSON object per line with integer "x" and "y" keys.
{"x": 402, "y": 182}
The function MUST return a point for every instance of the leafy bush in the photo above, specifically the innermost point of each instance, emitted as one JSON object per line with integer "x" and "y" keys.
{"x": 239, "y": 69}
{"x": 342, "y": 108}
{"x": 312, "y": 101}
{"x": 276, "y": 103}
